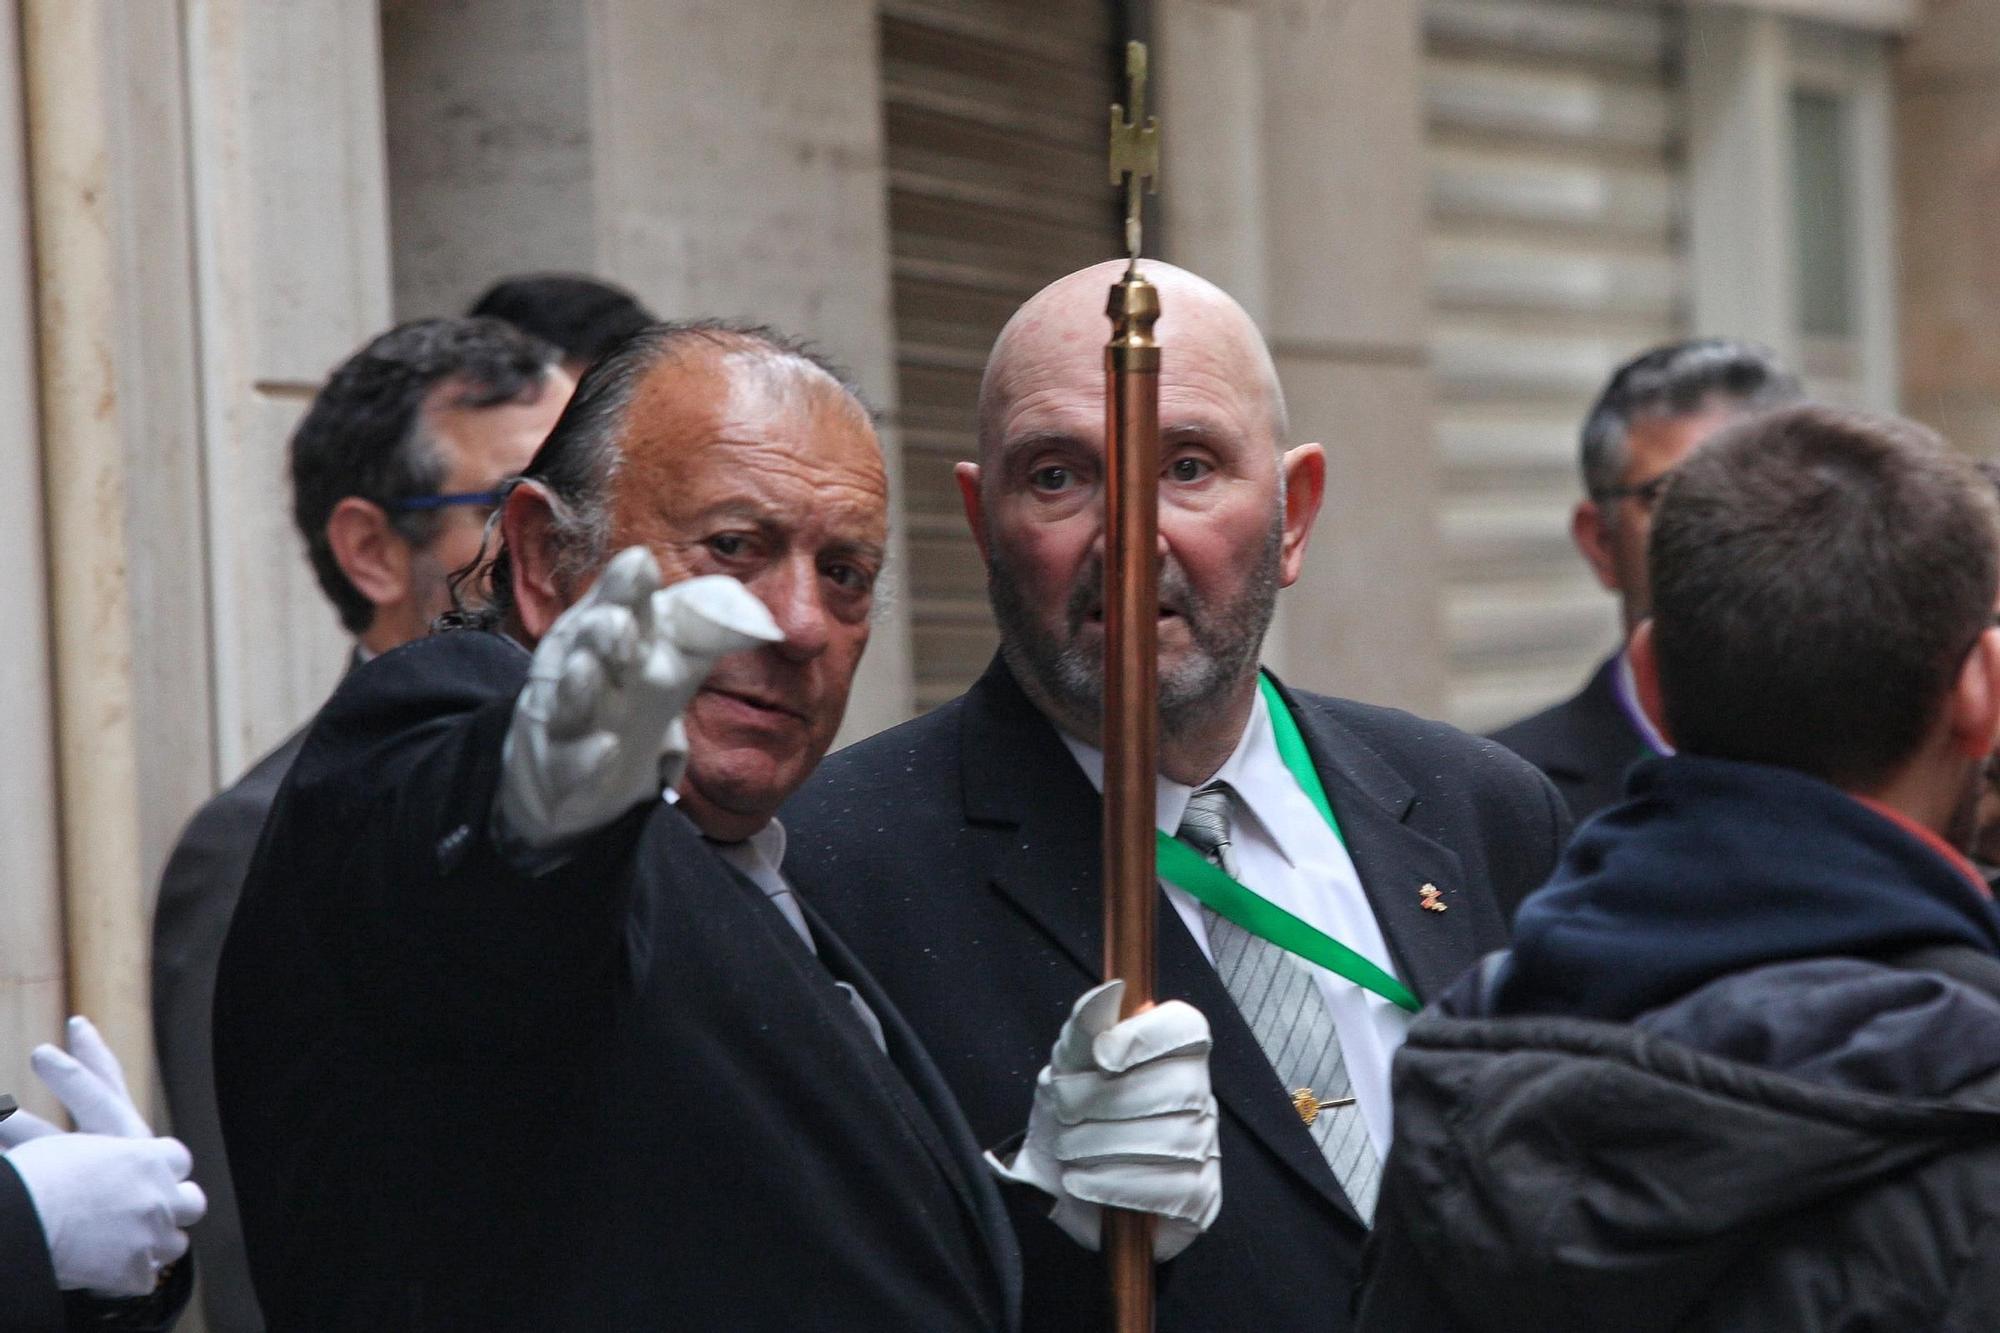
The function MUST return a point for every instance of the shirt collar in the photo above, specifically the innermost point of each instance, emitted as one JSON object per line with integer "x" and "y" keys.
{"x": 1255, "y": 771}
{"x": 1625, "y": 689}
{"x": 766, "y": 846}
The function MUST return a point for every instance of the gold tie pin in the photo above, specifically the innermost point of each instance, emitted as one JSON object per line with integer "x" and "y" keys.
{"x": 1309, "y": 1106}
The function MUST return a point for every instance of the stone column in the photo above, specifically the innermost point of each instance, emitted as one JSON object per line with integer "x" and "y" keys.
{"x": 32, "y": 967}
{"x": 1948, "y": 187}
{"x": 85, "y": 475}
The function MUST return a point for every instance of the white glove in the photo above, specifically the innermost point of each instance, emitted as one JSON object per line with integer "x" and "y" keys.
{"x": 112, "y": 1199}
{"x": 598, "y": 728}
{"x": 1124, "y": 1118}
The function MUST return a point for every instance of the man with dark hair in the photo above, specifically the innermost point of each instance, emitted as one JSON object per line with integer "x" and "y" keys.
{"x": 395, "y": 467}
{"x": 960, "y": 853}
{"x": 1741, "y": 1068}
{"x": 582, "y": 316}
{"x": 1654, "y": 410}
{"x": 504, "y": 1040}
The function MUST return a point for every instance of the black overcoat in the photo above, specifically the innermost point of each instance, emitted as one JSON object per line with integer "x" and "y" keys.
{"x": 617, "y": 1094}
{"x": 1585, "y": 744}
{"x": 959, "y": 856}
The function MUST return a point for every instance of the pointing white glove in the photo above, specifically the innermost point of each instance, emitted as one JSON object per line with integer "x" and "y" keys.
{"x": 112, "y": 1198}
{"x": 1124, "y": 1117}
{"x": 598, "y": 728}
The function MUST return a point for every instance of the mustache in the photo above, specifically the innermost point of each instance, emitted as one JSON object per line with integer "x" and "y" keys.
{"x": 1086, "y": 595}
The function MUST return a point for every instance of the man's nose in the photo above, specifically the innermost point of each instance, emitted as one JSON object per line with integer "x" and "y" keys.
{"x": 1100, "y": 545}
{"x": 791, "y": 591}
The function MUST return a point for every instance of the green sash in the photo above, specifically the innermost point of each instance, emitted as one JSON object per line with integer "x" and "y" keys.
{"x": 1223, "y": 895}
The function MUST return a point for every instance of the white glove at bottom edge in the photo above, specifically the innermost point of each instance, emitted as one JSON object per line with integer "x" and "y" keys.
{"x": 112, "y": 1198}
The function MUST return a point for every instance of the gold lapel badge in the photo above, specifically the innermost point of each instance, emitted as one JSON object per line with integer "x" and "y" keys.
{"x": 1431, "y": 899}
{"x": 1309, "y": 1105}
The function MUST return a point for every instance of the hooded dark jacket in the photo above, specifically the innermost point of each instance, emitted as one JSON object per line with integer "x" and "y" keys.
{"x": 1740, "y": 1071}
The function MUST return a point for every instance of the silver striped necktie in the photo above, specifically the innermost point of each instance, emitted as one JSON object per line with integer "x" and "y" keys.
{"x": 1280, "y": 1000}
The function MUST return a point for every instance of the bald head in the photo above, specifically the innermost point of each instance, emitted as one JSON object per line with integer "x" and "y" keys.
{"x": 1235, "y": 506}
{"x": 1055, "y": 344}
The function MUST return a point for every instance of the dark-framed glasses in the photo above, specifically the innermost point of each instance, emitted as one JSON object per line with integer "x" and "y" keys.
{"x": 1647, "y": 493}
{"x": 425, "y": 504}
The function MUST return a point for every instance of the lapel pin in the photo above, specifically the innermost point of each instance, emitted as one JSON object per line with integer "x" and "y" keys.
{"x": 1430, "y": 899}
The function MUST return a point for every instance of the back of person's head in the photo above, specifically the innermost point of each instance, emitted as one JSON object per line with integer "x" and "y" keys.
{"x": 582, "y": 316}
{"x": 1675, "y": 380}
{"x": 364, "y": 434}
{"x": 1819, "y": 576}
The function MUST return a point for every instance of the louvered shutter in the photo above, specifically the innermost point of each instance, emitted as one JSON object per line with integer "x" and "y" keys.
{"x": 1557, "y": 251}
{"x": 995, "y": 113}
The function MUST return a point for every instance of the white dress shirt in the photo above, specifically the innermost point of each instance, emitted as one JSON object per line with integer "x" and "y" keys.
{"x": 1285, "y": 851}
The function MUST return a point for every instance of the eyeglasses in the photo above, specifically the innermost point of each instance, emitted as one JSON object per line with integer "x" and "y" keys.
{"x": 419, "y": 504}
{"x": 1647, "y": 493}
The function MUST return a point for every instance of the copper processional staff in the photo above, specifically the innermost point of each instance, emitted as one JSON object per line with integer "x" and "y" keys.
{"x": 1131, "y": 642}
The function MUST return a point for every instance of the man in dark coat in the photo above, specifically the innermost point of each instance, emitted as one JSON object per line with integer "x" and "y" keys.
{"x": 959, "y": 854}
{"x": 506, "y": 1041}
{"x": 1654, "y": 410}
{"x": 394, "y": 469}
{"x": 1741, "y": 1068}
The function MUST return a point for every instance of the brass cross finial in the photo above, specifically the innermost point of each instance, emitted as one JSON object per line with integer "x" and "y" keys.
{"x": 1135, "y": 145}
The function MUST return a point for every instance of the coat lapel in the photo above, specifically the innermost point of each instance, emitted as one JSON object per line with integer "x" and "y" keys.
{"x": 1395, "y": 861}
{"x": 1018, "y": 775}
{"x": 944, "y": 1134}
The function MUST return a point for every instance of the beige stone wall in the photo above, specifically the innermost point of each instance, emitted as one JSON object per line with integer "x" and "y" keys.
{"x": 488, "y": 111}
{"x": 1294, "y": 176}
{"x": 1948, "y": 183}
{"x": 206, "y": 187}
{"x": 696, "y": 152}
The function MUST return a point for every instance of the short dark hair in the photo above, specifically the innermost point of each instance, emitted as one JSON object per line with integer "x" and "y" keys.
{"x": 1673, "y": 380}
{"x": 1818, "y": 578}
{"x": 584, "y": 317}
{"x": 363, "y": 435}
{"x": 580, "y": 457}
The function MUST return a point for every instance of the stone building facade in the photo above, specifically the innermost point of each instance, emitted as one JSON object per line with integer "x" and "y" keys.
{"x": 1450, "y": 216}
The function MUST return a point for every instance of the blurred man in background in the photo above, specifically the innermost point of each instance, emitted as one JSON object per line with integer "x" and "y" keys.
{"x": 581, "y": 316}
{"x": 394, "y": 468}
{"x": 1656, "y": 408}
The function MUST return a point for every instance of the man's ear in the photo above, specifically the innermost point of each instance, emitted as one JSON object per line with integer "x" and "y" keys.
{"x": 1645, "y": 663}
{"x": 1974, "y": 704}
{"x": 528, "y": 531}
{"x": 968, "y": 493}
{"x": 1305, "y": 487}
{"x": 1591, "y": 532}
{"x": 370, "y": 552}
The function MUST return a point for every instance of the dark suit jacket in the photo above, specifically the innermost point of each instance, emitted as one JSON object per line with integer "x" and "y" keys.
{"x": 959, "y": 855}
{"x": 1584, "y": 744}
{"x": 29, "y": 1300}
{"x": 617, "y": 1094}
{"x": 198, "y": 895}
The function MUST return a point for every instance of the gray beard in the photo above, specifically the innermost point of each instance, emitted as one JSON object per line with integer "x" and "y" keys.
{"x": 1066, "y": 675}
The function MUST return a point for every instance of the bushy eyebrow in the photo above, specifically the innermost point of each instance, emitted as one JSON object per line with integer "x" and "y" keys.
{"x": 751, "y": 516}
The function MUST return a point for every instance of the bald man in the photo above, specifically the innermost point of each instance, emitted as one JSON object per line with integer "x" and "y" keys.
{"x": 959, "y": 853}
